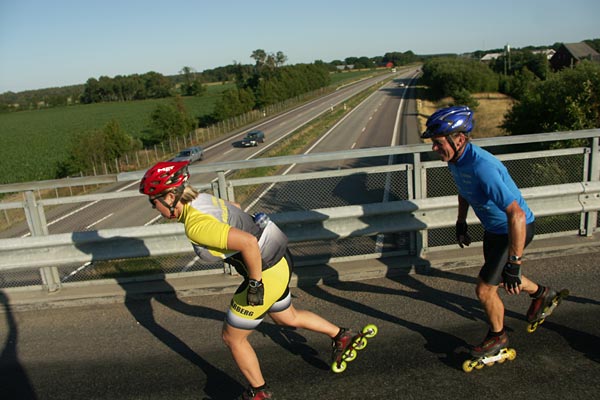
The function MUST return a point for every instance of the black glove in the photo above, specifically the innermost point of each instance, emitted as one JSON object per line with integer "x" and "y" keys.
{"x": 256, "y": 293}
{"x": 511, "y": 276}
{"x": 462, "y": 237}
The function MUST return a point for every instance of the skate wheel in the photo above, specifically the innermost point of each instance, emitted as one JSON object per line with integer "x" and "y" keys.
{"x": 490, "y": 364}
{"x": 479, "y": 365}
{"x": 370, "y": 330}
{"x": 467, "y": 366}
{"x": 350, "y": 355}
{"x": 338, "y": 369}
{"x": 501, "y": 361}
{"x": 512, "y": 354}
{"x": 360, "y": 343}
{"x": 532, "y": 327}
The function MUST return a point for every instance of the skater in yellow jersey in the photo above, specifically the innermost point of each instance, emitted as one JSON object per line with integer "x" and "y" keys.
{"x": 256, "y": 248}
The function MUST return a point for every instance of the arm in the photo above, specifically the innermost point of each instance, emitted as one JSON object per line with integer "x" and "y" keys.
{"x": 516, "y": 230}
{"x": 247, "y": 245}
{"x": 511, "y": 274}
{"x": 463, "y": 209}
{"x": 462, "y": 237}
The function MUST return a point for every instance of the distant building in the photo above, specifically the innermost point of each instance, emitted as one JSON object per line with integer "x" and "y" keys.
{"x": 570, "y": 54}
{"x": 490, "y": 57}
{"x": 549, "y": 53}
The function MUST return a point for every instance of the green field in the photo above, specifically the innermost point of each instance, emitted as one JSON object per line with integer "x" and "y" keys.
{"x": 34, "y": 141}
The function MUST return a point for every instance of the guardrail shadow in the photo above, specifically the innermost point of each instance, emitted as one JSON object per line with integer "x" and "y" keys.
{"x": 404, "y": 272}
{"x": 14, "y": 381}
{"x": 219, "y": 384}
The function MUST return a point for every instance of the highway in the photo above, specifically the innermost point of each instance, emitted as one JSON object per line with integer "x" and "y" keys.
{"x": 135, "y": 211}
{"x": 167, "y": 347}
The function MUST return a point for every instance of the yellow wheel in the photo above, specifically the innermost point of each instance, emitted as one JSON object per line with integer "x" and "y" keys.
{"x": 489, "y": 364}
{"x": 370, "y": 330}
{"x": 350, "y": 355}
{"x": 361, "y": 343}
{"x": 512, "y": 354}
{"x": 467, "y": 366}
{"x": 479, "y": 365}
{"x": 338, "y": 369}
{"x": 501, "y": 361}
{"x": 532, "y": 327}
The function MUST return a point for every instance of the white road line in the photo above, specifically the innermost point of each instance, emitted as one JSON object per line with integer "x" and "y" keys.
{"x": 100, "y": 220}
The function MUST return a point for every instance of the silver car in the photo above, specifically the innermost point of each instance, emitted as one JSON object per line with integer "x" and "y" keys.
{"x": 190, "y": 154}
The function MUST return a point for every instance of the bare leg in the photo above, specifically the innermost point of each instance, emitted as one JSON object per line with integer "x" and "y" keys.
{"x": 527, "y": 285}
{"x": 243, "y": 354}
{"x": 492, "y": 304}
{"x": 304, "y": 319}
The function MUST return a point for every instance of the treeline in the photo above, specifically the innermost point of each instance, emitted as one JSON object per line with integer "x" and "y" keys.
{"x": 187, "y": 83}
{"x": 546, "y": 101}
{"x": 265, "y": 83}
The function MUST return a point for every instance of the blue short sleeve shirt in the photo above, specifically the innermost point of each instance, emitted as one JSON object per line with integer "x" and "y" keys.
{"x": 487, "y": 186}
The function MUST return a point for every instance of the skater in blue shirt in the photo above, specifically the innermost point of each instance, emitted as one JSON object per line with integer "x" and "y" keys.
{"x": 484, "y": 183}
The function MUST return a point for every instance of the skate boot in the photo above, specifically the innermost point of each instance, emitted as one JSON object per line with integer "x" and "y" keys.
{"x": 347, "y": 344}
{"x": 257, "y": 394}
{"x": 490, "y": 345}
{"x": 543, "y": 305}
{"x": 493, "y": 349}
{"x": 340, "y": 343}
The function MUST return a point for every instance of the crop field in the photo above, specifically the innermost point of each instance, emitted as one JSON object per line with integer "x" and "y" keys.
{"x": 34, "y": 141}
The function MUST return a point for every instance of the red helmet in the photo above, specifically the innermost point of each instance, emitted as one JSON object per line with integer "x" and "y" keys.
{"x": 163, "y": 176}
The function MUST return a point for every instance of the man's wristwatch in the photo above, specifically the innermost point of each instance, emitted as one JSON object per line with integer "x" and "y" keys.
{"x": 513, "y": 259}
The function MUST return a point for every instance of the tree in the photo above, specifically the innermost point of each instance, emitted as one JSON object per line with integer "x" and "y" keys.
{"x": 259, "y": 56}
{"x": 567, "y": 100}
{"x": 95, "y": 147}
{"x": 448, "y": 76}
{"x": 191, "y": 85}
{"x": 168, "y": 121}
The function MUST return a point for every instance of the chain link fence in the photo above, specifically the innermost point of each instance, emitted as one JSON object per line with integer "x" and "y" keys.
{"x": 344, "y": 183}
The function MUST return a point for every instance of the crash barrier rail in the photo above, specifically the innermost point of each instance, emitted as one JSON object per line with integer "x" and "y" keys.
{"x": 418, "y": 214}
{"x": 319, "y": 224}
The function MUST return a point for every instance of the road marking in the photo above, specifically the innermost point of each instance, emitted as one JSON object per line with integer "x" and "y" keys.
{"x": 100, "y": 220}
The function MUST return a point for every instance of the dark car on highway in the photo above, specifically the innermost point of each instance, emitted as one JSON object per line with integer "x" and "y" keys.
{"x": 253, "y": 138}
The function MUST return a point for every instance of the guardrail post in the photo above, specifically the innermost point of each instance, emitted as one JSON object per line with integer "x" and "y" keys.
{"x": 222, "y": 185}
{"x": 50, "y": 278}
{"x": 36, "y": 219}
{"x": 34, "y": 212}
{"x": 591, "y": 219}
{"x": 419, "y": 242}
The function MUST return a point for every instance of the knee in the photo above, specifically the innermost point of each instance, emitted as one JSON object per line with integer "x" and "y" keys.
{"x": 484, "y": 291}
{"x": 226, "y": 338}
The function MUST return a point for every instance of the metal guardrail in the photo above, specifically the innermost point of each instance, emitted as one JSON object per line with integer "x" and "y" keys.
{"x": 417, "y": 214}
{"x": 319, "y": 224}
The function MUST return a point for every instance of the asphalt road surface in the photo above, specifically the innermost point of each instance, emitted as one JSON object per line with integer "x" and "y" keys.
{"x": 163, "y": 347}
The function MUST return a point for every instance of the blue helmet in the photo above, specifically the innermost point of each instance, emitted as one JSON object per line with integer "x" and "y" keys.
{"x": 449, "y": 120}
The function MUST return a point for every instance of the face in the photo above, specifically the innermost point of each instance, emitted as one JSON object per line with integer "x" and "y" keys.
{"x": 442, "y": 146}
{"x": 165, "y": 210}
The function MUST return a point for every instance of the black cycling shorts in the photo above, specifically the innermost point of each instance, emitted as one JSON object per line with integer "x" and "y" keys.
{"x": 495, "y": 254}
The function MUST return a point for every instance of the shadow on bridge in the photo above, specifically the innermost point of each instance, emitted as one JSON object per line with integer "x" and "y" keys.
{"x": 14, "y": 381}
{"x": 219, "y": 384}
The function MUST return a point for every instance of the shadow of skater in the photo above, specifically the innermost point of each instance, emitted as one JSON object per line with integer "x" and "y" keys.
{"x": 219, "y": 384}
{"x": 437, "y": 341}
{"x": 14, "y": 382}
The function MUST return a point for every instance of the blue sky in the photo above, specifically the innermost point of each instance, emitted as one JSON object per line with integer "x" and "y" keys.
{"x": 47, "y": 43}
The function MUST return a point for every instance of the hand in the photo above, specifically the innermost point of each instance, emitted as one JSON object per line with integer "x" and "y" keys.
{"x": 462, "y": 237}
{"x": 256, "y": 293}
{"x": 511, "y": 277}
